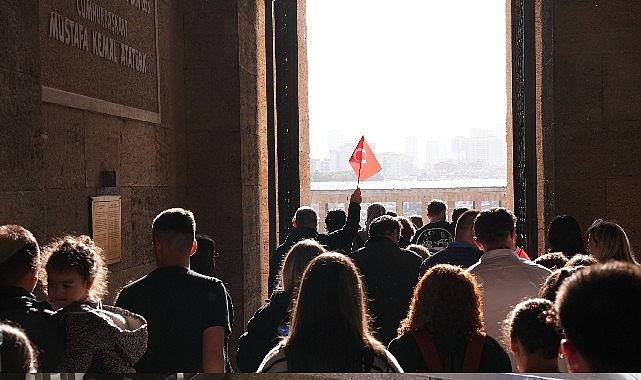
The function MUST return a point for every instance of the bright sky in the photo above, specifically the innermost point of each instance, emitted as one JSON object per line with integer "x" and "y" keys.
{"x": 418, "y": 68}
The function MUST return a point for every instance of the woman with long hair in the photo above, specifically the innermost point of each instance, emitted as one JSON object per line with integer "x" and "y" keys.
{"x": 443, "y": 331}
{"x": 271, "y": 321}
{"x": 608, "y": 241}
{"x": 330, "y": 329}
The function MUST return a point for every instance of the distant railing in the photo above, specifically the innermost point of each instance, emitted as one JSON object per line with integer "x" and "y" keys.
{"x": 409, "y": 198}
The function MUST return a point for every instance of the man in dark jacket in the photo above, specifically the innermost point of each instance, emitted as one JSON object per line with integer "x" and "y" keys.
{"x": 305, "y": 224}
{"x": 19, "y": 260}
{"x": 462, "y": 251}
{"x": 389, "y": 273}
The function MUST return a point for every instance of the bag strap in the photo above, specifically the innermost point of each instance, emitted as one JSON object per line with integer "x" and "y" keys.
{"x": 428, "y": 350}
{"x": 472, "y": 360}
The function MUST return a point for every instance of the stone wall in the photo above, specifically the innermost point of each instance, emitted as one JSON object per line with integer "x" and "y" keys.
{"x": 181, "y": 123}
{"x": 591, "y": 111}
{"x": 21, "y": 137}
{"x": 100, "y": 114}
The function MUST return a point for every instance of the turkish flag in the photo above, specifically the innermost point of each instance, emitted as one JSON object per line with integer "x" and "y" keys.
{"x": 363, "y": 161}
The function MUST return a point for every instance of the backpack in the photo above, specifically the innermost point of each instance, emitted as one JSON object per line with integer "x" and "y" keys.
{"x": 472, "y": 360}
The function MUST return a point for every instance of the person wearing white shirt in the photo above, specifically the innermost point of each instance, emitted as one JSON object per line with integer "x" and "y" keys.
{"x": 505, "y": 278}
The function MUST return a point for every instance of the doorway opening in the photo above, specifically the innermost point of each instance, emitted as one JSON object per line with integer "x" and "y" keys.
{"x": 519, "y": 92}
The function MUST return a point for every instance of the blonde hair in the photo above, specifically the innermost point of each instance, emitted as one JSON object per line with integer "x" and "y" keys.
{"x": 295, "y": 262}
{"x": 612, "y": 242}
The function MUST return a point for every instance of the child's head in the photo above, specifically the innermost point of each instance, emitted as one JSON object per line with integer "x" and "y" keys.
{"x": 533, "y": 329}
{"x": 17, "y": 354}
{"x": 75, "y": 270}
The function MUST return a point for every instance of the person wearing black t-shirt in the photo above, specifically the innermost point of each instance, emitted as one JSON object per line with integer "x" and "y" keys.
{"x": 187, "y": 313}
{"x": 438, "y": 233}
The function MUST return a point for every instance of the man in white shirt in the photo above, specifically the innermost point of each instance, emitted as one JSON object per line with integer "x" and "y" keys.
{"x": 505, "y": 278}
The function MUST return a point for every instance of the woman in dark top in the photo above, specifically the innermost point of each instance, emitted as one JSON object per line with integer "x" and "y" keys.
{"x": 443, "y": 331}
{"x": 330, "y": 330}
{"x": 271, "y": 321}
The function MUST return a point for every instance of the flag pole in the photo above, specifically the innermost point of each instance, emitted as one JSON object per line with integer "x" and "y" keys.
{"x": 360, "y": 163}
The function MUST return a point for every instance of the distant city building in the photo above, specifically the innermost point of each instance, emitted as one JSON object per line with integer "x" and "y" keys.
{"x": 411, "y": 149}
{"x": 481, "y": 155}
{"x": 335, "y": 138}
{"x": 315, "y": 164}
{"x": 437, "y": 151}
{"x": 396, "y": 165}
{"x": 483, "y": 147}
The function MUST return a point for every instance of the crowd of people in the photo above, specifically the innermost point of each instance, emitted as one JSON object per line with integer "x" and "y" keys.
{"x": 171, "y": 320}
{"x": 394, "y": 296}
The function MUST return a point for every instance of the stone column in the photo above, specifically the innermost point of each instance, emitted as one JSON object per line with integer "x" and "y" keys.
{"x": 226, "y": 139}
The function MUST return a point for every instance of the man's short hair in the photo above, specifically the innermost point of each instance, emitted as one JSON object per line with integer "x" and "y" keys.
{"x": 407, "y": 227}
{"x": 466, "y": 219}
{"x": 19, "y": 253}
{"x": 494, "y": 224}
{"x": 306, "y": 217}
{"x": 417, "y": 220}
{"x": 457, "y": 212}
{"x": 384, "y": 225}
{"x": 436, "y": 207}
{"x": 374, "y": 211}
{"x": 335, "y": 219}
{"x": 600, "y": 313}
{"x": 176, "y": 227}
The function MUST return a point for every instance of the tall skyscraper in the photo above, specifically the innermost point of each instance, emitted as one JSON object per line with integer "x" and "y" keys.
{"x": 411, "y": 149}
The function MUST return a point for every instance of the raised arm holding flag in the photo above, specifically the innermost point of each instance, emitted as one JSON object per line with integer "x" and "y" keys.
{"x": 363, "y": 161}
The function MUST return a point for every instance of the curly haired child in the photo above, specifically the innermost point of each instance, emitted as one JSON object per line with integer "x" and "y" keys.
{"x": 99, "y": 338}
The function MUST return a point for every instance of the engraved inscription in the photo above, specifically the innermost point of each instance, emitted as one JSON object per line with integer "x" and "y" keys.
{"x": 106, "y": 220}
{"x": 143, "y": 5}
{"x": 95, "y": 13}
{"x": 74, "y": 34}
{"x": 106, "y": 50}
{"x": 104, "y": 46}
{"x": 133, "y": 58}
{"x": 68, "y": 31}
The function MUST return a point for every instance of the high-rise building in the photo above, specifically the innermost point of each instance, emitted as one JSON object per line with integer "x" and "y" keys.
{"x": 411, "y": 149}
{"x": 396, "y": 165}
{"x": 437, "y": 151}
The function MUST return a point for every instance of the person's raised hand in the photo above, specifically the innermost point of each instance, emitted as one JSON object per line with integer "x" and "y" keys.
{"x": 356, "y": 196}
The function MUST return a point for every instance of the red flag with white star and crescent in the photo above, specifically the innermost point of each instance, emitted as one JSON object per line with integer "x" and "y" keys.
{"x": 363, "y": 161}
